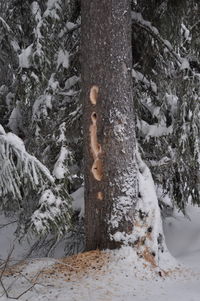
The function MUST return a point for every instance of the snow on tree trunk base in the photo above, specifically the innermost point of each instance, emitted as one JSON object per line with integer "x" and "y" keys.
{"x": 147, "y": 236}
{"x": 116, "y": 213}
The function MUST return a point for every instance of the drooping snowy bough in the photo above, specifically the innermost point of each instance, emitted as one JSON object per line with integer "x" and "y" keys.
{"x": 22, "y": 178}
{"x": 18, "y": 166}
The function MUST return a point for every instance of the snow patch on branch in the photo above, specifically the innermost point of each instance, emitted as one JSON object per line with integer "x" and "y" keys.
{"x": 53, "y": 213}
{"x": 141, "y": 78}
{"x": 5, "y": 24}
{"x": 155, "y": 130}
{"x": 18, "y": 166}
{"x": 63, "y": 59}
{"x": 147, "y": 26}
{"x": 25, "y": 57}
{"x": 53, "y": 8}
{"x": 61, "y": 169}
{"x": 138, "y": 17}
{"x": 41, "y": 106}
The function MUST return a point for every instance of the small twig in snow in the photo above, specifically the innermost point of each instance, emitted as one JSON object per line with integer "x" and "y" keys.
{"x": 4, "y": 225}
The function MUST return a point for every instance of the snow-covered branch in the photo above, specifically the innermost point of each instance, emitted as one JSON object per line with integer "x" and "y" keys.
{"x": 138, "y": 20}
{"x": 19, "y": 167}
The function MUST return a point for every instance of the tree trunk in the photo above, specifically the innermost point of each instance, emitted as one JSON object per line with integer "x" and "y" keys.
{"x": 108, "y": 122}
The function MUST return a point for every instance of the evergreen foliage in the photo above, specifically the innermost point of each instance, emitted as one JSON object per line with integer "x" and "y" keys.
{"x": 167, "y": 90}
{"x": 39, "y": 102}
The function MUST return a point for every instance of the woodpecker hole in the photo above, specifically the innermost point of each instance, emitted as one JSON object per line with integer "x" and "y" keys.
{"x": 100, "y": 195}
{"x": 94, "y": 91}
{"x": 97, "y": 167}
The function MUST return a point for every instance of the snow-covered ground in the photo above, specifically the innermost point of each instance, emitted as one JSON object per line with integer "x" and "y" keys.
{"x": 113, "y": 275}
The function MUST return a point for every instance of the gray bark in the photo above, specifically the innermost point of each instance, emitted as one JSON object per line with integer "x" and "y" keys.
{"x": 108, "y": 121}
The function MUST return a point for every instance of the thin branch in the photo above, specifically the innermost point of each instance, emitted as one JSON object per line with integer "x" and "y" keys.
{"x": 3, "y": 270}
{"x": 193, "y": 26}
{"x": 140, "y": 22}
{"x": 4, "y": 225}
{"x": 24, "y": 292}
{"x": 6, "y": 262}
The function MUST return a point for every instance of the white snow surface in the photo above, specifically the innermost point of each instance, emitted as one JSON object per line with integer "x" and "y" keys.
{"x": 15, "y": 119}
{"x": 60, "y": 168}
{"x": 78, "y": 201}
{"x": 52, "y": 7}
{"x": 141, "y": 78}
{"x": 2, "y": 131}
{"x": 185, "y": 64}
{"x": 24, "y": 57}
{"x": 124, "y": 277}
{"x": 15, "y": 141}
{"x": 41, "y": 106}
{"x": 63, "y": 59}
{"x": 154, "y": 130}
{"x": 70, "y": 25}
{"x": 70, "y": 82}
